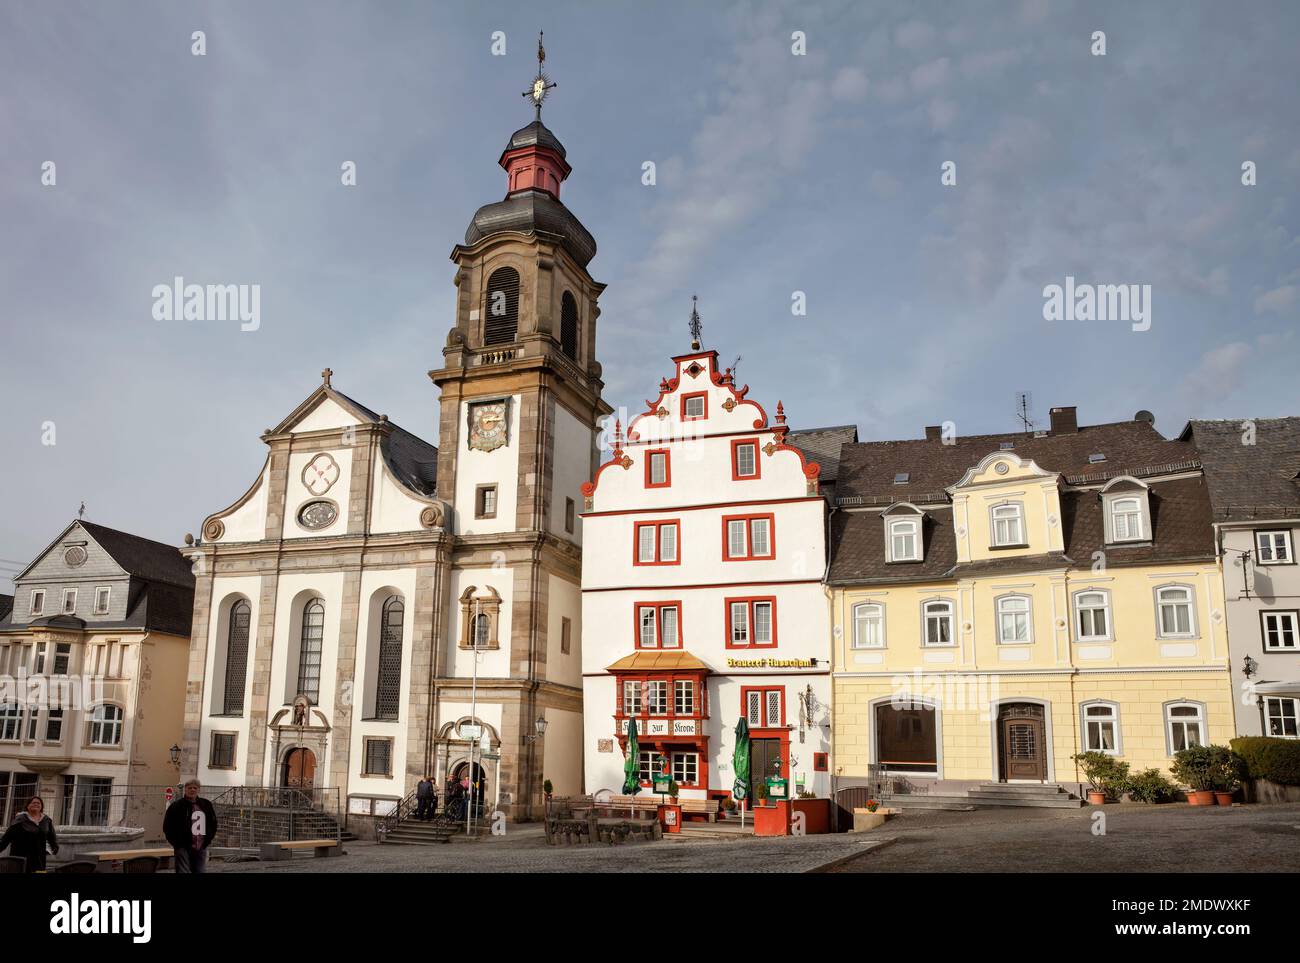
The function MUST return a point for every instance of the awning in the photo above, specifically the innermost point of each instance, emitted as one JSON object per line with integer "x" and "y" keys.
{"x": 1269, "y": 688}
{"x": 651, "y": 661}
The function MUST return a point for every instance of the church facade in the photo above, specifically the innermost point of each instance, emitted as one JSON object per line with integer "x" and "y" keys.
{"x": 377, "y": 608}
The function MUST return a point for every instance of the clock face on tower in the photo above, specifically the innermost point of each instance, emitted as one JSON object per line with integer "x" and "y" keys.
{"x": 487, "y": 425}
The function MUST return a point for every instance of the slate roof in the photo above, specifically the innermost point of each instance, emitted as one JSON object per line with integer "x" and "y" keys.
{"x": 411, "y": 459}
{"x": 822, "y": 445}
{"x": 529, "y": 212}
{"x": 1180, "y": 508}
{"x": 1250, "y": 481}
{"x": 534, "y": 134}
{"x": 6, "y": 606}
{"x": 143, "y": 557}
{"x": 867, "y": 470}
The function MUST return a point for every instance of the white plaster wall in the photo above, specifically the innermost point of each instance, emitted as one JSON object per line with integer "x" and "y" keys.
{"x": 326, "y": 416}
{"x": 459, "y": 662}
{"x": 473, "y": 468}
{"x": 392, "y": 507}
{"x": 329, "y": 587}
{"x": 571, "y": 468}
{"x": 247, "y": 523}
{"x": 564, "y": 601}
{"x": 223, "y": 588}
{"x": 602, "y": 770}
{"x": 297, "y": 494}
{"x": 373, "y": 584}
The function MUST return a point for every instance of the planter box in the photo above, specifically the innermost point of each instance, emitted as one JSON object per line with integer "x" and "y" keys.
{"x": 670, "y": 817}
{"x": 773, "y": 820}
{"x": 1260, "y": 791}
{"x": 816, "y": 815}
{"x": 865, "y": 821}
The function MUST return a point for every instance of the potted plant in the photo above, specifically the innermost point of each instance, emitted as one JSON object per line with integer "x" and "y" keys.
{"x": 872, "y": 805}
{"x": 1227, "y": 769}
{"x": 1106, "y": 775}
{"x": 673, "y": 790}
{"x": 548, "y": 790}
{"x": 1194, "y": 768}
{"x": 1151, "y": 786}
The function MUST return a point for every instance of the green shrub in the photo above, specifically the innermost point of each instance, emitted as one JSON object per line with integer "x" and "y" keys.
{"x": 1271, "y": 758}
{"x": 1104, "y": 772}
{"x": 1151, "y": 786}
{"x": 1227, "y": 769}
{"x": 1194, "y": 767}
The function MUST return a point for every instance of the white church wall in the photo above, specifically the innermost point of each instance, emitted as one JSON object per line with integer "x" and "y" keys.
{"x": 474, "y": 467}
{"x": 298, "y": 494}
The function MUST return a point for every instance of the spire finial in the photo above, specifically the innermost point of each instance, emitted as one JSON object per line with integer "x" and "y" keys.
{"x": 326, "y": 375}
{"x": 542, "y": 84}
{"x": 696, "y": 325}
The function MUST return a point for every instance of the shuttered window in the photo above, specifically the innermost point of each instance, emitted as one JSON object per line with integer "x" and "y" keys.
{"x": 569, "y": 325}
{"x": 501, "y": 310}
{"x": 236, "y": 659}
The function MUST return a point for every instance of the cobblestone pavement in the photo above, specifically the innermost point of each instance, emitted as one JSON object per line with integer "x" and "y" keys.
{"x": 1168, "y": 838}
{"x": 524, "y": 850}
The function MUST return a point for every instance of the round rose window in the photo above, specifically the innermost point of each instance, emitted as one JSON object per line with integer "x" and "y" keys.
{"x": 317, "y": 515}
{"x": 75, "y": 556}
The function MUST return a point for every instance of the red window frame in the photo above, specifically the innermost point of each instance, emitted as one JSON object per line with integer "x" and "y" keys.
{"x": 656, "y": 525}
{"x": 668, "y": 467}
{"x": 735, "y": 465}
{"x": 749, "y": 538}
{"x": 749, "y": 600}
{"x": 745, "y": 690}
{"x": 695, "y": 394}
{"x": 658, "y": 605}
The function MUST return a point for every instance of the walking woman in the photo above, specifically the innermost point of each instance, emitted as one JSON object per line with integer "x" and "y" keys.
{"x": 30, "y": 833}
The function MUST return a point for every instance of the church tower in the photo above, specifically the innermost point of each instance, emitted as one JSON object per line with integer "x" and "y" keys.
{"x": 520, "y": 402}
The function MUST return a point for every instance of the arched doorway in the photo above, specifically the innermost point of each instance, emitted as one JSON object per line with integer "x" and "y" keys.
{"x": 477, "y": 781}
{"x": 300, "y": 769}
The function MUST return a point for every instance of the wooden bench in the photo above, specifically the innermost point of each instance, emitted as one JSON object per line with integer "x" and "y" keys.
{"x": 651, "y": 803}
{"x": 163, "y": 853}
{"x": 286, "y": 848}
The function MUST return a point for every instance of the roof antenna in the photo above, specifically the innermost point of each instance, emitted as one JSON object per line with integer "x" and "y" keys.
{"x": 735, "y": 366}
{"x": 81, "y": 511}
{"x": 1025, "y": 401}
{"x": 696, "y": 325}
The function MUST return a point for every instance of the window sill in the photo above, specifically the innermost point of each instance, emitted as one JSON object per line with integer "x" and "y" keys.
{"x": 939, "y": 645}
{"x": 1129, "y": 543}
{"x": 1008, "y": 548}
{"x": 1101, "y": 640}
{"x": 904, "y": 561}
{"x": 1016, "y": 645}
{"x": 395, "y": 721}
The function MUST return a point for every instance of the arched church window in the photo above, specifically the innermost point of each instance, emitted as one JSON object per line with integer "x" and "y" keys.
{"x": 309, "y": 649}
{"x": 236, "y": 658}
{"x": 569, "y": 326}
{"x": 388, "y": 684}
{"x": 501, "y": 323}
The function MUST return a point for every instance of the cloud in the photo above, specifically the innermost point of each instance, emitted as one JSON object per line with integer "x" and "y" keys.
{"x": 942, "y": 114}
{"x": 1279, "y": 300}
{"x": 914, "y": 35}
{"x": 884, "y": 184}
{"x": 850, "y": 83}
{"x": 929, "y": 76}
{"x": 1219, "y": 373}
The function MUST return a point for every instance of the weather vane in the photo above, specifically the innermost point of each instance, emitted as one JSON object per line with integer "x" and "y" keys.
{"x": 696, "y": 325}
{"x": 542, "y": 84}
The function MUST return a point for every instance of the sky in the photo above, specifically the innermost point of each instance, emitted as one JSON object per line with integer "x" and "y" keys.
{"x": 799, "y": 153}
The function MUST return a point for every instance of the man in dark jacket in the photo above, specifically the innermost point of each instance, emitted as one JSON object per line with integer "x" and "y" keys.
{"x": 423, "y": 798}
{"x": 190, "y": 825}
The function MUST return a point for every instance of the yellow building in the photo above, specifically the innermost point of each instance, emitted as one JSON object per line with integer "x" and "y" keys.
{"x": 1002, "y": 602}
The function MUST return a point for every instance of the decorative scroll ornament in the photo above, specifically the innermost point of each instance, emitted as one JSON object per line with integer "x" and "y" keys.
{"x": 214, "y": 529}
{"x": 431, "y": 517}
{"x": 729, "y": 404}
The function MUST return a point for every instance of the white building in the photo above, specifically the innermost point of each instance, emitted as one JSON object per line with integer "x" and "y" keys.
{"x": 341, "y": 598}
{"x": 702, "y": 594}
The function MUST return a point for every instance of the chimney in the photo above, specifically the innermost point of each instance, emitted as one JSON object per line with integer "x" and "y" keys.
{"x": 933, "y": 432}
{"x": 1065, "y": 421}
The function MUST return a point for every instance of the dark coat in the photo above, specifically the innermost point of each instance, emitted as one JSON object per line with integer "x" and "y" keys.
{"x": 423, "y": 789}
{"x": 176, "y": 823}
{"x": 28, "y": 840}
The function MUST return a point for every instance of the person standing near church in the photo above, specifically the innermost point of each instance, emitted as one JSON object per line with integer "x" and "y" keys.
{"x": 190, "y": 826}
{"x": 423, "y": 797}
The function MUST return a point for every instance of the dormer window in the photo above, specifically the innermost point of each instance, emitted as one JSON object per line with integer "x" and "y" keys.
{"x": 1008, "y": 524}
{"x": 1126, "y": 519}
{"x": 1096, "y": 459}
{"x": 38, "y": 602}
{"x": 694, "y": 407}
{"x": 905, "y": 539}
{"x": 902, "y": 478}
{"x": 1126, "y": 511}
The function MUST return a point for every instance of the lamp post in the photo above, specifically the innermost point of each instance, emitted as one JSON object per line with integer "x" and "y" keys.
{"x": 539, "y": 728}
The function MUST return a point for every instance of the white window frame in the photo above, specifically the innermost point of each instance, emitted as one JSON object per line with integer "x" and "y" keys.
{"x": 684, "y": 706}
{"x": 1190, "y": 602}
{"x": 1287, "y": 547}
{"x": 1131, "y": 516}
{"x": 753, "y": 462}
{"x": 1105, "y": 607}
{"x": 653, "y": 688}
{"x": 65, "y": 610}
{"x": 1291, "y": 616}
{"x": 679, "y": 775}
{"x": 107, "y": 591}
{"x": 649, "y": 764}
{"x": 1184, "y": 721}
{"x": 1017, "y": 517}
{"x": 950, "y": 615}
{"x": 100, "y": 725}
{"x": 1112, "y": 719}
{"x": 1268, "y": 715}
{"x": 659, "y": 458}
{"x": 36, "y": 605}
{"x": 862, "y": 615}
{"x": 632, "y": 701}
{"x": 1028, "y": 613}
{"x": 686, "y": 407}
{"x": 11, "y": 721}
{"x": 914, "y": 523}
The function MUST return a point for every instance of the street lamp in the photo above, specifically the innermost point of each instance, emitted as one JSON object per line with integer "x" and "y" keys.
{"x": 175, "y": 753}
{"x": 1249, "y": 666}
{"x": 540, "y": 726}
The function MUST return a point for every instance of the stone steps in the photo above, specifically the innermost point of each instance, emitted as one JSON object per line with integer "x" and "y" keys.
{"x": 995, "y": 795}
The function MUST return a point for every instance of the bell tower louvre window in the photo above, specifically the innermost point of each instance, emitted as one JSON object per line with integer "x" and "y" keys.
{"x": 569, "y": 326}
{"x": 501, "y": 311}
